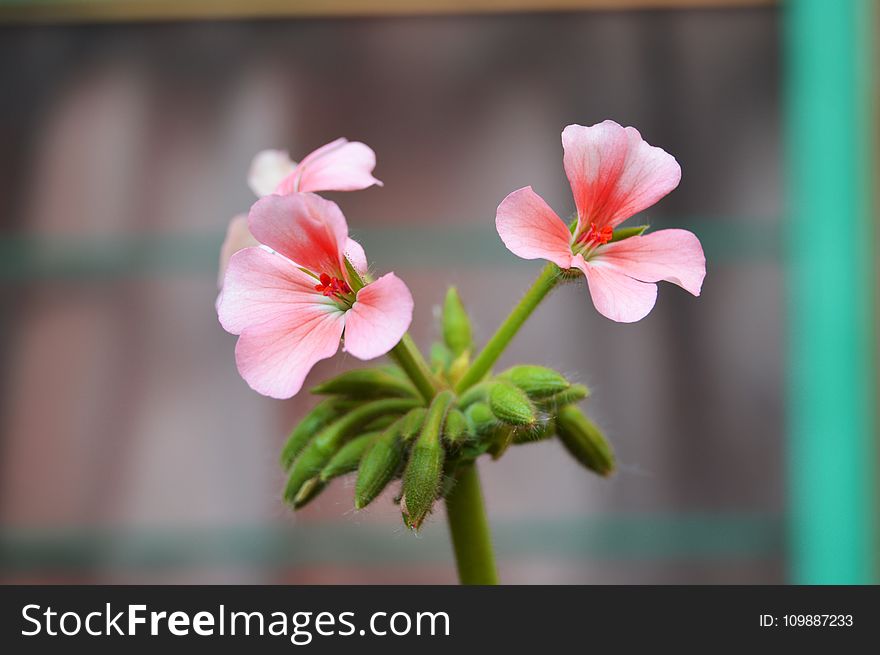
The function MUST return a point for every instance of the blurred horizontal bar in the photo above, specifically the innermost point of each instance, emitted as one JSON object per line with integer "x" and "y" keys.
{"x": 709, "y": 537}
{"x": 26, "y": 258}
{"x": 134, "y": 10}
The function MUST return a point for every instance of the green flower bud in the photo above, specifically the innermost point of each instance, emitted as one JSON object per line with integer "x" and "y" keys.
{"x": 511, "y": 405}
{"x": 421, "y": 480}
{"x": 456, "y": 324}
{"x": 381, "y": 423}
{"x": 458, "y": 367}
{"x": 393, "y": 370}
{"x": 541, "y": 431}
{"x": 536, "y": 381}
{"x": 319, "y": 451}
{"x": 364, "y": 383}
{"x": 411, "y": 424}
{"x": 378, "y": 466}
{"x": 324, "y": 412}
{"x": 348, "y": 457}
{"x": 574, "y": 394}
{"x": 481, "y": 418}
{"x": 627, "y": 232}
{"x": 308, "y": 492}
{"x": 456, "y": 429}
{"x": 584, "y": 440}
{"x": 473, "y": 449}
{"x": 441, "y": 357}
{"x": 501, "y": 440}
{"x": 476, "y": 393}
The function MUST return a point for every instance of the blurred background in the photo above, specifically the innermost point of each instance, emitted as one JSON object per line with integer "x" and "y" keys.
{"x": 131, "y": 450}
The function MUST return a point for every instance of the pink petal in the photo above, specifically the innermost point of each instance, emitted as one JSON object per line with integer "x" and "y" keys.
{"x": 305, "y": 228}
{"x": 531, "y": 230}
{"x": 379, "y": 318}
{"x": 672, "y": 255}
{"x": 615, "y": 295}
{"x": 356, "y": 255}
{"x": 268, "y": 169}
{"x": 338, "y": 166}
{"x": 262, "y": 287}
{"x": 274, "y": 358}
{"x": 238, "y": 236}
{"x": 614, "y": 173}
{"x": 285, "y": 325}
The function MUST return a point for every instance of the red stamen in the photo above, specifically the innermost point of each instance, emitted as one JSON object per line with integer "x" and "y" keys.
{"x": 597, "y": 237}
{"x": 332, "y": 286}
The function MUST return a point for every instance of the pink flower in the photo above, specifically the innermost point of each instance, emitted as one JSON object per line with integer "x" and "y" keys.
{"x": 341, "y": 165}
{"x": 614, "y": 174}
{"x": 292, "y": 304}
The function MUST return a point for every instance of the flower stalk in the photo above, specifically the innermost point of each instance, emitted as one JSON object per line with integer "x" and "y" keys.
{"x": 408, "y": 357}
{"x": 542, "y": 286}
{"x": 469, "y": 528}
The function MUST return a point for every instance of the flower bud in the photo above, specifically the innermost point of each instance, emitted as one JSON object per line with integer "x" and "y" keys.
{"x": 456, "y": 429}
{"x": 539, "y": 432}
{"x": 366, "y": 383}
{"x": 421, "y": 480}
{"x": 394, "y": 371}
{"x": 476, "y": 393}
{"x": 584, "y": 440}
{"x": 412, "y": 423}
{"x": 456, "y": 324}
{"x": 324, "y": 412}
{"x": 458, "y": 367}
{"x": 381, "y": 423}
{"x": 536, "y": 381}
{"x": 378, "y": 466}
{"x": 574, "y": 394}
{"x": 441, "y": 357}
{"x": 308, "y": 492}
{"x": 501, "y": 439}
{"x": 481, "y": 418}
{"x": 319, "y": 451}
{"x": 348, "y": 457}
{"x": 511, "y": 405}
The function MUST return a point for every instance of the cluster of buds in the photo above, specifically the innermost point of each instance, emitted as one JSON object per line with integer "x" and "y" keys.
{"x": 375, "y": 424}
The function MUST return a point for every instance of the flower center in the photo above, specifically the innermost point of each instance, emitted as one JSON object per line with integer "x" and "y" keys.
{"x": 333, "y": 287}
{"x": 595, "y": 236}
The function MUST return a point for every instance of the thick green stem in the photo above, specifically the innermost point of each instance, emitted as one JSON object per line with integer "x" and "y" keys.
{"x": 413, "y": 364}
{"x": 511, "y": 325}
{"x": 469, "y": 529}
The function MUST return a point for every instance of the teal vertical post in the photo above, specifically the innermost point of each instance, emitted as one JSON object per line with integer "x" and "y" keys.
{"x": 831, "y": 285}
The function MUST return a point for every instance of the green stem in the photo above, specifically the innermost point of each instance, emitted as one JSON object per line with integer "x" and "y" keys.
{"x": 469, "y": 529}
{"x": 413, "y": 364}
{"x": 508, "y": 329}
